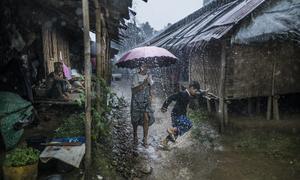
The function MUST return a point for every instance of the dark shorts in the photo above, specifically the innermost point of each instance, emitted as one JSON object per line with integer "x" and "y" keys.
{"x": 182, "y": 123}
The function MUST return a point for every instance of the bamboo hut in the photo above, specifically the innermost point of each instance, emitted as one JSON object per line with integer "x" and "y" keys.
{"x": 50, "y": 30}
{"x": 240, "y": 49}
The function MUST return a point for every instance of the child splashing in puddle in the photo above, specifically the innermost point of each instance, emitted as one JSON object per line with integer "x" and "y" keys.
{"x": 180, "y": 123}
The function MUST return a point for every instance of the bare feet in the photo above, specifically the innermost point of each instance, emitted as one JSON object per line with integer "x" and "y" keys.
{"x": 135, "y": 141}
{"x": 145, "y": 143}
{"x": 172, "y": 132}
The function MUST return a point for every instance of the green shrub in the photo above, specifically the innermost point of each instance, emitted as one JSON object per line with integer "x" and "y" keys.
{"x": 21, "y": 157}
{"x": 71, "y": 127}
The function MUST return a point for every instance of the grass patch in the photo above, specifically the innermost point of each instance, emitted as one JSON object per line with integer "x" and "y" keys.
{"x": 274, "y": 145}
{"x": 102, "y": 162}
{"x": 199, "y": 118}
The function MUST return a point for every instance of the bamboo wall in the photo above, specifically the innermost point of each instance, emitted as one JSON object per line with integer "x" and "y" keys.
{"x": 54, "y": 44}
{"x": 205, "y": 68}
{"x": 251, "y": 69}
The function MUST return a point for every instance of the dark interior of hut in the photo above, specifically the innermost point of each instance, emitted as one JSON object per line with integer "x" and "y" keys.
{"x": 23, "y": 65}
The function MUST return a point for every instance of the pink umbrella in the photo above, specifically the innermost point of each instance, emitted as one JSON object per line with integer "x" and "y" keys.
{"x": 149, "y": 55}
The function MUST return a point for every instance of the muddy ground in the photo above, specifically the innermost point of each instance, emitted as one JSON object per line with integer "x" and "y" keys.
{"x": 205, "y": 154}
{"x": 246, "y": 153}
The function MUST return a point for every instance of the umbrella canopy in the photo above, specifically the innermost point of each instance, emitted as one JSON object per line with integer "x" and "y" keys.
{"x": 150, "y": 55}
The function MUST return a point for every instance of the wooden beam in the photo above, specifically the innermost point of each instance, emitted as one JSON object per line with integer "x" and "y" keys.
{"x": 221, "y": 87}
{"x": 87, "y": 72}
{"x": 274, "y": 96}
{"x": 98, "y": 53}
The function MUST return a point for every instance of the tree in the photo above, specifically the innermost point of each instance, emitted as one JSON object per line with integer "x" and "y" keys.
{"x": 147, "y": 30}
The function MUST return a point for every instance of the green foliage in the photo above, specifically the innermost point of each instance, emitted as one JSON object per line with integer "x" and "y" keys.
{"x": 21, "y": 157}
{"x": 101, "y": 118}
{"x": 101, "y": 125}
{"x": 80, "y": 100}
{"x": 71, "y": 127}
{"x": 198, "y": 116}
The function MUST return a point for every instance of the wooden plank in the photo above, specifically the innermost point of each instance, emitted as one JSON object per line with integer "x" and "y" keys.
{"x": 54, "y": 45}
{"x": 54, "y": 102}
{"x": 87, "y": 72}
{"x": 45, "y": 49}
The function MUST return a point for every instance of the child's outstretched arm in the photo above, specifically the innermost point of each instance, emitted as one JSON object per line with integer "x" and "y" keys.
{"x": 167, "y": 102}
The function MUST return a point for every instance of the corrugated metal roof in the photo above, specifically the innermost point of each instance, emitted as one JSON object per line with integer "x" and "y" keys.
{"x": 210, "y": 24}
{"x": 281, "y": 21}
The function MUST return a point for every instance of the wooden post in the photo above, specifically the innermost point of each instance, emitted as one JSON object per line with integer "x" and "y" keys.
{"x": 250, "y": 107}
{"x": 103, "y": 46}
{"x": 208, "y": 106}
{"x": 275, "y": 108}
{"x": 269, "y": 107}
{"x": 221, "y": 86}
{"x": 226, "y": 113}
{"x": 216, "y": 106}
{"x": 257, "y": 105}
{"x": 98, "y": 53}
{"x": 109, "y": 73}
{"x": 106, "y": 58}
{"x": 87, "y": 72}
{"x": 274, "y": 97}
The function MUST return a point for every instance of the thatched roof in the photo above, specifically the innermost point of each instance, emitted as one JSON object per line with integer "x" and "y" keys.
{"x": 210, "y": 22}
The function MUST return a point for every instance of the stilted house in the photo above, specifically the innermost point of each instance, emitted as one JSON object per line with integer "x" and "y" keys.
{"x": 240, "y": 49}
{"x": 47, "y": 31}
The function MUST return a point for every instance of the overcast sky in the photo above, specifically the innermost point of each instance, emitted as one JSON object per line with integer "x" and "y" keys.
{"x": 161, "y": 12}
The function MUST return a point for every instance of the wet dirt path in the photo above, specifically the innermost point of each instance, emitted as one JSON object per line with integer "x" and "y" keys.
{"x": 192, "y": 159}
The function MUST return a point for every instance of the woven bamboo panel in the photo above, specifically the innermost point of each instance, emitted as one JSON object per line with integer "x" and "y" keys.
{"x": 252, "y": 69}
{"x": 55, "y": 47}
{"x": 205, "y": 68}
